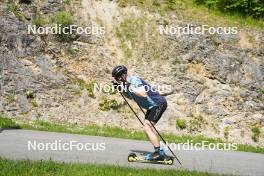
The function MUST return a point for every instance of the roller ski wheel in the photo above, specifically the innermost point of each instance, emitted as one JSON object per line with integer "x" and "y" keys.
{"x": 168, "y": 160}
{"x": 132, "y": 157}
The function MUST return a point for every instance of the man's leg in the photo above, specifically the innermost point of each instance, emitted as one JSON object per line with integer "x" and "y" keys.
{"x": 148, "y": 129}
{"x": 152, "y": 117}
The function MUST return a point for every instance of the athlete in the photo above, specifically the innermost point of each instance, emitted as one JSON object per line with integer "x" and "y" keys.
{"x": 147, "y": 98}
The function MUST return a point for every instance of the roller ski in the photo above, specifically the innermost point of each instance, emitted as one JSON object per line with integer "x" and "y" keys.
{"x": 158, "y": 157}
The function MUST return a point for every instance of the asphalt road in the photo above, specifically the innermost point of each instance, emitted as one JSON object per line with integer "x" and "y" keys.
{"x": 19, "y": 144}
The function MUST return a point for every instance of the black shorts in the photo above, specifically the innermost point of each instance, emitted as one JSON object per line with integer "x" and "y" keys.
{"x": 156, "y": 112}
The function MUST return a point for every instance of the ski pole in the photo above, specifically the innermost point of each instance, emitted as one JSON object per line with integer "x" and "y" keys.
{"x": 131, "y": 109}
{"x": 158, "y": 132}
{"x": 151, "y": 124}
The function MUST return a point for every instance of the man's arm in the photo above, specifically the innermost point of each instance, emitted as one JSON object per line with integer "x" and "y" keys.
{"x": 139, "y": 91}
{"x": 127, "y": 95}
{"x": 121, "y": 89}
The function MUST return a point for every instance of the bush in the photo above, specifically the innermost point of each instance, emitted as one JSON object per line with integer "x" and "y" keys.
{"x": 63, "y": 19}
{"x": 29, "y": 94}
{"x": 261, "y": 90}
{"x": 12, "y": 7}
{"x": 34, "y": 103}
{"x": 73, "y": 51}
{"x": 39, "y": 21}
{"x": 106, "y": 105}
{"x": 7, "y": 122}
{"x": 254, "y": 8}
{"x": 255, "y": 134}
{"x": 181, "y": 124}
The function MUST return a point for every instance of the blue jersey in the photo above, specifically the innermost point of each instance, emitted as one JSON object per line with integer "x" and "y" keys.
{"x": 153, "y": 98}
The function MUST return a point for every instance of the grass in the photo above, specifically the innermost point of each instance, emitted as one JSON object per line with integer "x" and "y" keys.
{"x": 89, "y": 87}
{"x": 34, "y": 103}
{"x": 194, "y": 12}
{"x": 63, "y": 19}
{"x": 14, "y": 8}
{"x": 144, "y": 43}
{"x": 255, "y": 133}
{"x": 116, "y": 132}
{"x": 226, "y": 132}
{"x": 7, "y": 122}
{"x": 39, "y": 21}
{"x": 51, "y": 168}
{"x": 130, "y": 39}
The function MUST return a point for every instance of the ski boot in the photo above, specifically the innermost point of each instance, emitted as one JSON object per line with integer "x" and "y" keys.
{"x": 158, "y": 155}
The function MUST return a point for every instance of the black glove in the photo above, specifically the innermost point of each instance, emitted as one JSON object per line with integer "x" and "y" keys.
{"x": 117, "y": 86}
{"x": 120, "y": 87}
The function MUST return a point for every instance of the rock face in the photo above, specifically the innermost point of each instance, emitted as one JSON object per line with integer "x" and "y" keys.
{"x": 216, "y": 81}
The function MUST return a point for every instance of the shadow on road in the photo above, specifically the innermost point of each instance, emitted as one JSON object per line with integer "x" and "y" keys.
{"x": 2, "y": 129}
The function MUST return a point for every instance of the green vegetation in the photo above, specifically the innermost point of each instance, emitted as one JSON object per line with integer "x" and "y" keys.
{"x": 13, "y": 8}
{"x": 181, "y": 124}
{"x": 106, "y": 105}
{"x": 196, "y": 124}
{"x": 253, "y": 8}
{"x": 67, "y": 2}
{"x": 51, "y": 168}
{"x": 139, "y": 39}
{"x": 34, "y": 103}
{"x": 7, "y": 122}
{"x": 39, "y": 21}
{"x": 226, "y": 132}
{"x": 63, "y": 19}
{"x": 29, "y": 94}
{"x": 89, "y": 87}
{"x": 261, "y": 90}
{"x": 176, "y": 61}
{"x": 152, "y": 5}
{"x": 73, "y": 51}
{"x": 255, "y": 133}
{"x": 190, "y": 10}
{"x": 11, "y": 98}
{"x": 130, "y": 39}
{"x": 215, "y": 128}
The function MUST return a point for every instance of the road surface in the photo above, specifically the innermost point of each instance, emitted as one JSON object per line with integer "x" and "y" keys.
{"x": 19, "y": 144}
